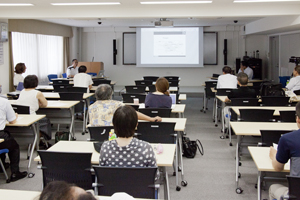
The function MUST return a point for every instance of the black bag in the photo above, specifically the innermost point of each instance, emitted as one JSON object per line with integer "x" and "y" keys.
{"x": 271, "y": 89}
{"x": 61, "y": 135}
{"x": 5, "y": 135}
{"x": 190, "y": 147}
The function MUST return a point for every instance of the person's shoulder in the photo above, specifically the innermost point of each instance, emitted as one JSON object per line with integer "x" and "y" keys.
{"x": 4, "y": 101}
{"x": 141, "y": 143}
{"x": 70, "y": 67}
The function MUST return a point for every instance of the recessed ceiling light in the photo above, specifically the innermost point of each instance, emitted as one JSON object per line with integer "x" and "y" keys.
{"x": 174, "y": 2}
{"x": 261, "y": 1}
{"x": 86, "y": 4}
{"x": 16, "y": 4}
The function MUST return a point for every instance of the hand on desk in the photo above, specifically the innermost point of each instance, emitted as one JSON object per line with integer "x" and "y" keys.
{"x": 272, "y": 153}
{"x": 156, "y": 119}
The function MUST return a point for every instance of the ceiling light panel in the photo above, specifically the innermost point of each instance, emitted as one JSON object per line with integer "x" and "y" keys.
{"x": 16, "y": 4}
{"x": 86, "y": 4}
{"x": 174, "y": 2}
{"x": 263, "y": 1}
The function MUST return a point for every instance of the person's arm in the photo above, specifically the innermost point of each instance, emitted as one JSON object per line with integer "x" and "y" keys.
{"x": 42, "y": 100}
{"x": 91, "y": 83}
{"x": 250, "y": 74}
{"x": 15, "y": 120}
{"x": 277, "y": 165}
{"x": 11, "y": 116}
{"x": 227, "y": 100}
{"x": 141, "y": 116}
{"x": 291, "y": 84}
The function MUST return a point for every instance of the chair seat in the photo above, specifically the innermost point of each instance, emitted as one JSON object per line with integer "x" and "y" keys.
{"x": 4, "y": 151}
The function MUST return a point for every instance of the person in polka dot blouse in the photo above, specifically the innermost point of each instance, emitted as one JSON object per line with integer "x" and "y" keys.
{"x": 126, "y": 151}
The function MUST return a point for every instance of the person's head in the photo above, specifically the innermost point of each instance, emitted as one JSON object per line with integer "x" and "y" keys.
{"x": 103, "y": 92}
{"x": 82, "y": 69}
{"x": 226, "y": 70}
{"x": 296, "y": 71}
{"x": 125, "y": 121}
{"x": 162, "y": 85}
{"x": 31, "y": 81}
{"x": 242, "y": 79}
{"x": 244, "y": 64}
{"x": 20, "y": 68}
{"x": 74, "y": 62}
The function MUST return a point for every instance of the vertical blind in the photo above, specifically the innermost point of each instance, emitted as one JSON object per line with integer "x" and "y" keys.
{"x": 42, "y": 54}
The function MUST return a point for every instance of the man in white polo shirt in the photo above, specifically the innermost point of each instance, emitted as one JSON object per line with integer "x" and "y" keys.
{"x": 246, "y": 69}
{"x": 227, "y": 80}
{"x": 82, "y": 79}
{"x": 73, "y": 69}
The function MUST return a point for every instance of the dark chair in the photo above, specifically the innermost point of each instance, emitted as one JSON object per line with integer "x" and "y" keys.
{"x": 153, "y": 112}
{"x": 61, "y": 88}
{"x": 294, "y": 188}
{"x": 101, "y": 81}
{"x": 156, "y": 132}
{"x": 172, "y": 78}
{"x": 150, "y": 78}
{"x": 135, "y": 181}
{"x": 287, "y": 116}
{"x": 99, "y": 133}
{"x": 297, "y": 92}
{"x": 52, "y": 76}
{"x": 144, "y": 82}
{"x": 268, "y": 137}
{"x": 152, "y": 88}
{"x": 208, "y": 93}
{"x": 20, "y": 86}
{"x": 137, "y": 89}
{"x": 215, "y": 75}
{"x": 61, "y": 82}
{"x": 64, "y": 75}
{"x": 224, "y": 91}
{"x": 136, "y": 107}
{"x": 21, "y": 109}
{"x": 92, "y": 74}
{"x": 128, "y": 98}
{"x": 275, "y": 101}
{"x": 77, "y": 89}
{"x": 173, "y": 83}
{"x": 256, "y": 115}
{"x": 244, "y": 102}
{"x": 74, "y": 96}
{"x": 70, "y": 167}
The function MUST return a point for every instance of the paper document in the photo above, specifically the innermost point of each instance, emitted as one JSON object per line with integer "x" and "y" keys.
{"x": 19, "y": 118}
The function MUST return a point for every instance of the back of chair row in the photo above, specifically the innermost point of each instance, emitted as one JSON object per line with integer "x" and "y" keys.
{"x": 69, "y": 88}
{"x": 101, "y": 81}
{"x": 154, "y": 78}
{"x": 128, "y": 98}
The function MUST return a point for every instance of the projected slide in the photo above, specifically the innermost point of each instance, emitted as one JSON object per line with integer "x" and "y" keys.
{"x": 169, "y": 44}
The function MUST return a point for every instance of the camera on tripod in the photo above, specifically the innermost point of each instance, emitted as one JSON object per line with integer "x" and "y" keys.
{"x": 295, "y": 60}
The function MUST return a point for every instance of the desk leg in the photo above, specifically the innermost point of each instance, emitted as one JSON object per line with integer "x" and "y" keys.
{"x": 237, "y": 161}
{"x": 258, "y": 185}
{"x": 166, "y": 183}
{"x": 204, "y": 103}
{"x": 216, "y": 112}
{"x": 214, "y": 109}
{"x": 72, "y": 126}
{"x": 229, "y": 127}
{"x": 222, "y": 117}
{"x": 87, "y": 113}
{"x": 183, "y": 181}
{"x": 84, "y": 117}
{"x": 35, "y": 128}
{"x": 178, "y": 188}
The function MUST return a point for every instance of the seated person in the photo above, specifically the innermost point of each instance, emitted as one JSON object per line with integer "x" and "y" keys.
{"x": 125, "y": 121}
{"x": 246, "y": 69}
{"x": 61, "y": 190}
{"x": 73, "y": 69}
{"x": 82, "y": 79}
{"x": 288, "y": 146}
{"x": 227, "y": 80}
{"x": 7, "y": 113}
{"x": 294, "y": 83}
{"x": 101, "y": 112}
{"x": 20, "y": 68}
{"x": 161, "y": 98}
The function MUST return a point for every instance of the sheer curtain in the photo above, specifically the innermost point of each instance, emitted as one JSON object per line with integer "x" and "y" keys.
{"x": 42, "y": 54}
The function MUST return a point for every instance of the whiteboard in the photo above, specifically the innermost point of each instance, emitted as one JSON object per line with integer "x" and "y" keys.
{"x": 129, "y": 48}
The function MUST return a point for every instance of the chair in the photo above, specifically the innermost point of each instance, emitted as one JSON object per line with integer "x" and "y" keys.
{"x": 173, "y": 83}
{"x": 2, "y": 166}
{"x": 61, "y": 88}
{"x": 64, "y": 75}
{"x": 150, "y": 78}
{"x": 61, "y": 82}
{"x": 92, "y": 74}
{"x": 297, "y": 92}
{"x": 256, "y": 115}
{"x": 244, "y": 102}
{"x": 208, "y": 94}
{"x": 77, "y": 89}
{"x": 153, "y": 112}
{"x": 20, "y": 86}
{"x": 294, "y": 192}
{"x": 136, "y": 107}
{"x": 101, "y": 81}
{"x": 275, "y": 101}
{"x": 21, "y": 109}
{"x": 137, "y": 89}
{"x": 67, "y": 166}
{"x": 287, "y": 116}
{"x": 128, "y": 98}
{"x": 224, "y": 91}
{"x": 99, "y": 133}
{"x": 152, "y": 88}
{"x": 144, "y": 82}
{"x": 172, "y": 78}
{"x": 52, "y": 76}
{"x": 215, "y": 75}
{"x": 76, "y": 96}
{"x": 135, "y": 181}
{"x": 268, "y": 137}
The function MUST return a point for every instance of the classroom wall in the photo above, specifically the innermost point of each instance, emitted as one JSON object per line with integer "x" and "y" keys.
{"x": 5, "y": 68}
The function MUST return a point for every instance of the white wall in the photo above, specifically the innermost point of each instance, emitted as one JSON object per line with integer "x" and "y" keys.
{"x": 97, "y": 42}
{"x": 5, "y": 68}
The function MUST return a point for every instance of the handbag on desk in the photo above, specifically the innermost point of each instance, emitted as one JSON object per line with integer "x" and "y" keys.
{"x": 190, "y": 147}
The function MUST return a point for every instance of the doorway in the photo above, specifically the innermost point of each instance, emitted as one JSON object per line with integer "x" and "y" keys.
{"x": 273, "y": 72}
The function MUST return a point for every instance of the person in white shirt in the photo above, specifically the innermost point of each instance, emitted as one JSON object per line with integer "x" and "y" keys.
{"x": 82, "y": 79}
{"x": 20, "y": 68}
{"x": 246, "y": 69}
{"x": 294, "y": 83}
{"x": 227, "y": 80}
{"x": 73, "y": 69}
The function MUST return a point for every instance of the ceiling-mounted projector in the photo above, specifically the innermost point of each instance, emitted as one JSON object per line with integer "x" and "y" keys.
{"x": 163, "y": 23}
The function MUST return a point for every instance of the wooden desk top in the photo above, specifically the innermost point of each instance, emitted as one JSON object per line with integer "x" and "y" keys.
{"x": 180, "y": 123}
{"x": 55, "y": 95}
{"x": 165, "y": 159}
{"x": 253, "y": 128}
{"x": 26, "y": 120}
{"x": 221, "y": 98}
{"x": 182, "y": 97}
{"x": 55, "y": 104}
{"x": 276, "y": 108}
{"x": 1, "y": 140}
{"x": 260, "y": 156}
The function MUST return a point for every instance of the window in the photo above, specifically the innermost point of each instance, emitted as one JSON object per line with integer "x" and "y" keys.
{"x": 42, "y": 54}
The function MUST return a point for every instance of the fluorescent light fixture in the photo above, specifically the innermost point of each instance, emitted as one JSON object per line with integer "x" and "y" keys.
{"x": 174, "y": 2}
{"x": 262, "y": 1}
{"x": 86, "y": 4}
{"x": 16, "y": 4}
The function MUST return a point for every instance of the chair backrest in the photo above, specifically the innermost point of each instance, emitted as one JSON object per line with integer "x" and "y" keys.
{"x": 156, "y": 132}
{"x": 208, "y": 86}
{"x": 136, "y": 107}
{"x": 172, "y": 78}
{"x": 77, "y": 89}
{"x": 135, "y": 89}
{"x": 150, "y": 78}
{"x": 295, "y": 166}
{"x": 99, "y": 133}
{"x": 144, "y": 82}
{"x": 128, "y": 98}
{"x": 67, "y": 166}
{"x": 92, "y": 74}
{"x": 20, "y": 86}
{"x": 61, "y": 88}
{"x": 152, "y": 88}
{"x": 287, "y": 116}
{"x": 224, "y": 91}
{"x": 275, "y": 101}
{"x": 294, "y": 182}
{"x": 69, "y": 96}
{"x": 61, "y": 82}
{"x": 51, "y": 76}
{"x": 173, "y": 83}
{"x": 101, "y": 81}
{"x": 215, "y": 75}
{"x": 135, "y": 181}
{"x": 244, "y": 102}
{"x": 21, "y": 109}
{"x": 256, "y": 115}
{"x": 297, "y": 92}
{"x": 268, "y": 137}
{"x": 64, "y": 75}
{"x": 153, "y": 112}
